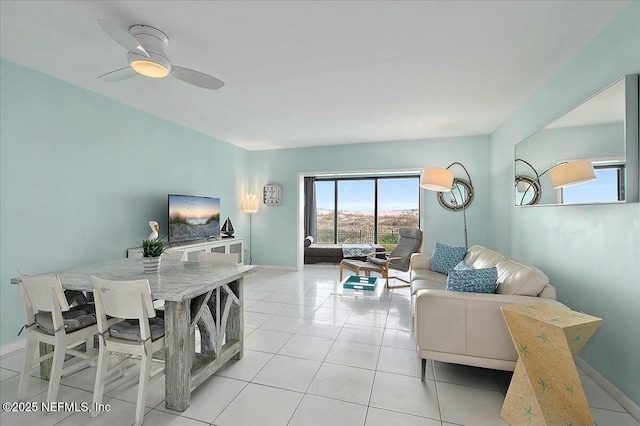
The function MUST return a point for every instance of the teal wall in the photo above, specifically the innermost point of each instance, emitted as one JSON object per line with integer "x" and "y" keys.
{"x": 81, "y": 176}
{"x": 275, "y": 238}
{"x": 589, "y": 252}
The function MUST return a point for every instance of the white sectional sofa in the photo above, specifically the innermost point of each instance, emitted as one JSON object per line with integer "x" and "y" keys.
{"x": 468, "y": 328}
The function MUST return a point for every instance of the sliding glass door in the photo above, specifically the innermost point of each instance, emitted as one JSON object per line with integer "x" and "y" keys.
{"x": 366, "y": 210}
{"x": 356, "y": 208}
{"x": 398, "y": 207}
{"x": 325, "y": 212}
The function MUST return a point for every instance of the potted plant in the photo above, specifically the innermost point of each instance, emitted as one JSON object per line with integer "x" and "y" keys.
{"x": 151, "y": 251}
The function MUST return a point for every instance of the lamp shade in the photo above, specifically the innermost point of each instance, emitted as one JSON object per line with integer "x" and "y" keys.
{"x": 249, "y": 203}
{"x": 524, "y": 186}
{"x": 437, "y": 179}
{"x": 572, "y": 173}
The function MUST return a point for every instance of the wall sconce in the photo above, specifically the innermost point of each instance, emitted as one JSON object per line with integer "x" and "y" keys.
{"x": 442, "y": 180}
{"x": 250, "y": 204}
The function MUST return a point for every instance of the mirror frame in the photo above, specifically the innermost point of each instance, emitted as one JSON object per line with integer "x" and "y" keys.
{"x": 631, "y": 145}
{"x": 535, "y": 187}
{"x": 467, "y": 201}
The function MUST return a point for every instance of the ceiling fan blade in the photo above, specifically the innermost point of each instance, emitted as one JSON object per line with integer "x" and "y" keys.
{"x": 196, "y": 78}
{"x": 118, "y": 75}
{"x": 122, "y": 37}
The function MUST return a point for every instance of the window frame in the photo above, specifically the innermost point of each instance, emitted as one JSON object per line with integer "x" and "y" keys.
{"x": 376, "y": 179}
{"x": 620, "y": 168}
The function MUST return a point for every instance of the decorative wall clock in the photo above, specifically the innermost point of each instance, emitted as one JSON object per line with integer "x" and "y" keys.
{"x": 272, "y": 195}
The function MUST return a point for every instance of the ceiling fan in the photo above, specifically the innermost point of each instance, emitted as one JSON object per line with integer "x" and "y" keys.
{"x": 147, "y": 57}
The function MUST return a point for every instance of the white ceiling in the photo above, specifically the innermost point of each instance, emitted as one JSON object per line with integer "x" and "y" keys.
{"x": 317, "y": 73}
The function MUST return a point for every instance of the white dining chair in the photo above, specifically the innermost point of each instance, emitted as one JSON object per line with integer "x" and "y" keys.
{"x": 215, "y": 257}
{"x": 140, "y": 333}
{"x": 170, "y": 255}
{"x": 51, "y": 320}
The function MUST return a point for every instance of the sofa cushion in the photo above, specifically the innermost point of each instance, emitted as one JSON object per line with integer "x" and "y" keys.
{"x": 436, "y": 282}
{"x": 445, "y": 257}
{"x": 473, "y": 280}
{"x": 480, "y": 257}
{"x": 461, "y": 266}
{"x": 426, "y": 274}
{"x": 522, "y": 280}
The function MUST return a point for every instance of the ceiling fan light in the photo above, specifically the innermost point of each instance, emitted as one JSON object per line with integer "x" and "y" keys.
{"x": 149, "y": 68}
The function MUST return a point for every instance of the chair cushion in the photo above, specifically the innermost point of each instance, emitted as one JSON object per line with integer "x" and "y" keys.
{"x": 473, "y": 280}
{"x": 130, "y": 329}
{"x": 377, "y": 261}
{"x": 76, "y": 318}
{"x": 409, "y": 243}
{"x": 445, "y": 257}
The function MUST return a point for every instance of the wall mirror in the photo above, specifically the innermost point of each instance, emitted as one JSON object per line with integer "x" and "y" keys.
{"x": 603, "y": 130}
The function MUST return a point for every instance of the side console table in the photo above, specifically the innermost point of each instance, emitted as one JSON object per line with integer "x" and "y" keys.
{"x": 545, "y": 388}
{"x": 225, "y": 245}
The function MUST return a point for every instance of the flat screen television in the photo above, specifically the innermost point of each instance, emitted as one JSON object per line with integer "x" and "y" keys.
{"x": 193, "y": 218}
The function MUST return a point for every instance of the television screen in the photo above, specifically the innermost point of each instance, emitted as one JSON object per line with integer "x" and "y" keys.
{"x": 193, "y": 218}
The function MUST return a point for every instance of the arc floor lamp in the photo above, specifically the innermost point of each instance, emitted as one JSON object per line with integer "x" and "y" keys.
{"x": 250, "y": 204}
{"x": 443, "y": 180}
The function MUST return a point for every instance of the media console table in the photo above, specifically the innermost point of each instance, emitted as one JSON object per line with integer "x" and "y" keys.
{"x": 224, "y": 245}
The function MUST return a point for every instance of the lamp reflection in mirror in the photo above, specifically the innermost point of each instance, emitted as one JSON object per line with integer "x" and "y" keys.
{"x": 250, "y": 204}
{"x": 571, "y": 173}
{"x": 562, "y": 175}
{"x": 442, "y": 180}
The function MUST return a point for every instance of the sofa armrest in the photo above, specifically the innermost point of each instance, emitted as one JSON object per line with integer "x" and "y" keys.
{"x": 421, "y": 261}
{"x": 549, "y": 292}
{"x": 468, "y": 324}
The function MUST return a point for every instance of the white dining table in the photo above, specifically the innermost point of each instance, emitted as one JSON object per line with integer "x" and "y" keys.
{"x": 208, "y": 296}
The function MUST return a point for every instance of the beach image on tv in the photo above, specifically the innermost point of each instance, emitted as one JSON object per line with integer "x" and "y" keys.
{"x": 193, "y": 218}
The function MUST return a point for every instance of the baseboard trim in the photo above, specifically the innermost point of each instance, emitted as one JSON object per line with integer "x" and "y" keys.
{"x": 284, "y": 268}
{"x": 12, "y": 347}
{"x": 610, "y": 388}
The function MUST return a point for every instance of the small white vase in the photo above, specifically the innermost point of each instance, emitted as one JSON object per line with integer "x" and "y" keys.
{"x": 151, "y": 264}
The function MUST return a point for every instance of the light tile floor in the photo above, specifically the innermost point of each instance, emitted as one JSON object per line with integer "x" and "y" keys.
{"x": 310, "y": 359}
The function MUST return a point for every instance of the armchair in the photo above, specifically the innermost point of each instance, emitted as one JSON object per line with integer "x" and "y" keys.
{"x": 398, "y": 259}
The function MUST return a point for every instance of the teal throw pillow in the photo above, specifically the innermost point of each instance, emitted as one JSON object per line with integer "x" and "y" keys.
{"x": 445, "y": 258}
{"x": 473, "y": 280}
{"x": 461, "y": 266}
